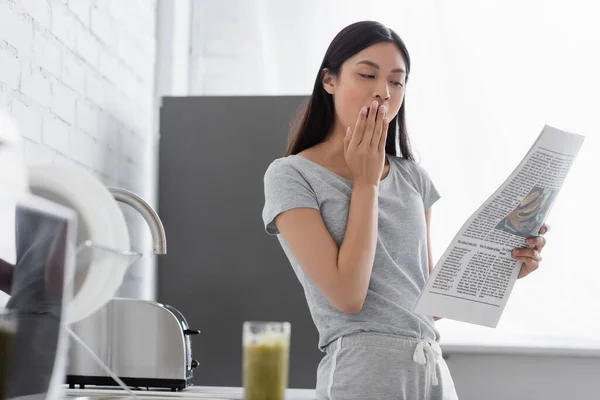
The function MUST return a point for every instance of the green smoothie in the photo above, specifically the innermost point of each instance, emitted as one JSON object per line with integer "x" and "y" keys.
{"x": 265, "y": 370}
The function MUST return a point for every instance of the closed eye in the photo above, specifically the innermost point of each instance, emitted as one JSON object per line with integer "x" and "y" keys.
{"x": 367, "y": 76}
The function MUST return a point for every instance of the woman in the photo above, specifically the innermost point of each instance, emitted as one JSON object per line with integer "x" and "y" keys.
{"x": 352, "y": 214}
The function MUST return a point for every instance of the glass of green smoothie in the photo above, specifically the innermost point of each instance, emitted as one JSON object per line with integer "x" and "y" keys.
{"x": 8, "y": 331}
{"x": 266, "y": 357}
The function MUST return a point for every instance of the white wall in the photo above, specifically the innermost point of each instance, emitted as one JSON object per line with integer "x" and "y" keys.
{"x": 78, "y": 77}
{"x": 257, "y": 47}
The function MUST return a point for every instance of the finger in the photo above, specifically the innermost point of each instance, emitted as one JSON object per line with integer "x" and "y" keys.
{"x": 378, "y": 127}
{"x": 347, "y": 139}
{"x": 359, "y": 127}
{"x": 544, "y": 229}
{"x": 537, "y": 242}
{"x": 368, "y": 134}
{"x": 533, "y": 254}
{"x": 384, "y": 133}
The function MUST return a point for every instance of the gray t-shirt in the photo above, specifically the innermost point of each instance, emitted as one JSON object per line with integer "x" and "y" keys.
{"x": 400, "y": 268}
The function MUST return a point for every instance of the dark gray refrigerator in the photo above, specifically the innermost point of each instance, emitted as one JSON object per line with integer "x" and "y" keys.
{"x": 222, "y": 268}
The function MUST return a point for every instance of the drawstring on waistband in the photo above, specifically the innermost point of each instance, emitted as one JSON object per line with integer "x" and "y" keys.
{"x": 429, "y": 354}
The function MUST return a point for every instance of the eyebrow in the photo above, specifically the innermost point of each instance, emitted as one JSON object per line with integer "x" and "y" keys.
{"x": 372, "y": 64}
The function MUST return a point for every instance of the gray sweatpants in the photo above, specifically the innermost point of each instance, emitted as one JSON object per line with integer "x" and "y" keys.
{"x": 375, "y": 366}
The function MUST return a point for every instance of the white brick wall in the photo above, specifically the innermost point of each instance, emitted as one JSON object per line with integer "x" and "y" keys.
{"x": 78, "y": 77}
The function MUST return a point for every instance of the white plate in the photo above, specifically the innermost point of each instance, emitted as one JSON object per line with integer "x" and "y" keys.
{"x": 100, "y": 220}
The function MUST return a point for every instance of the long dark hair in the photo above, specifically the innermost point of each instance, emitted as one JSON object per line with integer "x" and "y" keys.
{"x": 315, "y": 122}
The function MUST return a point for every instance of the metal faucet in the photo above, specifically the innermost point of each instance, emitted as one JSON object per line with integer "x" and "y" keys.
{"x": 159, "y": 236}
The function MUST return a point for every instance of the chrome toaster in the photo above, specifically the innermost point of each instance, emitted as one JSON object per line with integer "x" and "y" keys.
{"x": 146, "y": 344}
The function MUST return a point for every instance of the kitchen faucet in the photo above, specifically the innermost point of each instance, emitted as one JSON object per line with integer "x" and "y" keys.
{"x": 152, "y": 219}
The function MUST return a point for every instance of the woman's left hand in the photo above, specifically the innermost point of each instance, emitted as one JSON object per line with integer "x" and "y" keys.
{"x": 531, "y": 256}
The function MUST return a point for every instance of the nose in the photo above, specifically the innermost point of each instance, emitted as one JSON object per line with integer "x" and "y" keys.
{"x": 382, "y": 92}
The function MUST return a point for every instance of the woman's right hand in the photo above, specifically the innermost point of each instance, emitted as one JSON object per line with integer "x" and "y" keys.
{"x": 364, "y": 147}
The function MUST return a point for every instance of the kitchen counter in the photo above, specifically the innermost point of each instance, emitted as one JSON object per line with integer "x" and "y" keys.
{"x": 193, "y": 392}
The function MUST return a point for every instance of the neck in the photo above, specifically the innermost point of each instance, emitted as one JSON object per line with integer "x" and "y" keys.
{"x": 333, "y": 148}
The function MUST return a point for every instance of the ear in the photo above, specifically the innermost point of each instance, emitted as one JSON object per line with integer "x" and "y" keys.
{"x": 328, "y": 81}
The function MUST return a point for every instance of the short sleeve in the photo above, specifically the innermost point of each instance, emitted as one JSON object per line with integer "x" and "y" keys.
{"x": 427, "y": 189}
{"x": 285, "y": 188}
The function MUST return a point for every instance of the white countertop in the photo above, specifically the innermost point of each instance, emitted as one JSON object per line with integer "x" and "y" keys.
{"x": 193, "y": 392}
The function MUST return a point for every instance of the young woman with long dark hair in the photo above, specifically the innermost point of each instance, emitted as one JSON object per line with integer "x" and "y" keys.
{"x": 351, "y": 209}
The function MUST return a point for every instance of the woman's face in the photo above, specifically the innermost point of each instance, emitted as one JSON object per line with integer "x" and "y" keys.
{"x": 376, "y": 73}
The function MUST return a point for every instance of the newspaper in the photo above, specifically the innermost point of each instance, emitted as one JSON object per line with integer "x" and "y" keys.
{"x": 475, "y": 276}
